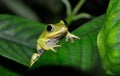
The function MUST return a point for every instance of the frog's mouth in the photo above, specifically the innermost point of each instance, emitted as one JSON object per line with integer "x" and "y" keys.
{"x": 59, "y": 35}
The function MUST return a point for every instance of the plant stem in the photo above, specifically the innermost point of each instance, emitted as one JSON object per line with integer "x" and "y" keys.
{"x": 78, "y": 6}
{"x": 81, "y": 15}
{"x": 68, "y": 7}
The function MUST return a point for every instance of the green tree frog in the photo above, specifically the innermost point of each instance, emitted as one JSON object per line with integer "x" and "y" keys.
{"x": 49, "y": 37}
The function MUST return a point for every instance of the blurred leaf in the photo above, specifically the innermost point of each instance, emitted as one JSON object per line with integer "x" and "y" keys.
{"x": 19, "y": 8}
{"x": 82, "y": 54}
{"x": 109, "y": 39}
{"x": 18, "y": 38}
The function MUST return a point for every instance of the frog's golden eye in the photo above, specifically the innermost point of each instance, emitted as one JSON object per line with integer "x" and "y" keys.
{"x": 50, "y": 27}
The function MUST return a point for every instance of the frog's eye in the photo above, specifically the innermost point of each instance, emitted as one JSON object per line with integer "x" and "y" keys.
{"x": 50, "y": 27}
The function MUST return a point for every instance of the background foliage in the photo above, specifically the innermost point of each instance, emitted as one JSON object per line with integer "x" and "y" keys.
{"x": 18, "y": 37}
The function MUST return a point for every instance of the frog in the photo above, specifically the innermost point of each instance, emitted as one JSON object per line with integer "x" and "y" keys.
{"x": 50, "y": 37}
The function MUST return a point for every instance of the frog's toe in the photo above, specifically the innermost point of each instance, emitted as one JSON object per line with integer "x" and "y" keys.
{"x": 76, "y": 37}
{"x": 57, "y": 46}
{"x": 53, "y": 50}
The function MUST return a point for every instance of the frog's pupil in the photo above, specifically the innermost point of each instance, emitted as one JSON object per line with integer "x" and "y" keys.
{"x": 49, "y": 28}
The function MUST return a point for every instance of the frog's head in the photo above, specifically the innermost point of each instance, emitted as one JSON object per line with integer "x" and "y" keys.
{"x": 55, "y": 30}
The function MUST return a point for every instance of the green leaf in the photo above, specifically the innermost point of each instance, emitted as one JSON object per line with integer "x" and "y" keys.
{"x": 109, "y": 39}
{"x": 18, "y": 38}
{"x": 18, "y": 41}
{"x": 81, "y": 54}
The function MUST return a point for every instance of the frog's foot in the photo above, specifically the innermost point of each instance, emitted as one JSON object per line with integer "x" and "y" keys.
{"x": 71, "y": 36}
{"x": 52, "y": 48}
{"x": 34, "y": 58}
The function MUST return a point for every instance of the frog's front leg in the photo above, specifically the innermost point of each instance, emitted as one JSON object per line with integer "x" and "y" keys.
{"x": 71, "y": 36}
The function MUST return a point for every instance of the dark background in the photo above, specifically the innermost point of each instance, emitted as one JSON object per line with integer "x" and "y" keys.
{"x": 48, "y": 11}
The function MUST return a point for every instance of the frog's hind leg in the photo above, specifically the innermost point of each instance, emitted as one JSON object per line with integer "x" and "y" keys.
{"x": 36, "y": 56}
